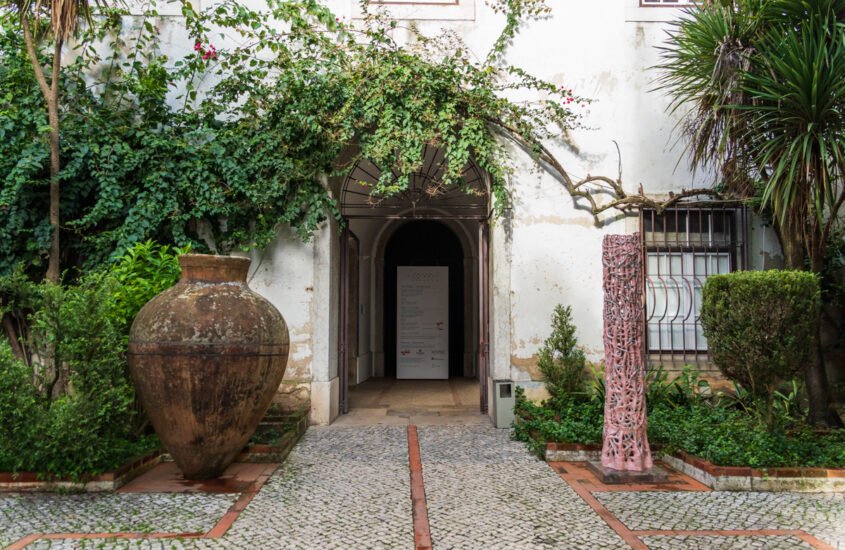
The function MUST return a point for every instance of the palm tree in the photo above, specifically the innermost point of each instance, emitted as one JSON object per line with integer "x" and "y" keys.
{"x": 63, "y": 16}
{"x": 761, "y": 85}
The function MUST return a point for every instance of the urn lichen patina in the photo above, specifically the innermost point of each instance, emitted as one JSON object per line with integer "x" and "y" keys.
{"x": 207, "y": 356}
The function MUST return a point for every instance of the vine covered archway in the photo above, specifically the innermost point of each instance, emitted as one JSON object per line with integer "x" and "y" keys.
{"x": 425, "y": 196}
{"x": 371, "y": 221}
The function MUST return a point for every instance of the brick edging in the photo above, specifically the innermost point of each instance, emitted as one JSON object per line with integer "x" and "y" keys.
{"x": 744, "y": 471}
{"x": 419, "y": 507}
{"x": 724, "y": 478}
{"x": 107, "y": 481}
{"x": 220, "y": 528}
{"x": 729, "y": 478}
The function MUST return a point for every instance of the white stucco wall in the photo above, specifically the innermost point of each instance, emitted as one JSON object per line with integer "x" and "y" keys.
{"x": 549, "y": 251}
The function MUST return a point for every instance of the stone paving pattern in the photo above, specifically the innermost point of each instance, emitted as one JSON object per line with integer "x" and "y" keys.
{"x": 725, "y": 543}
{"x": 820, "y": 514}
{"x": 486, "y": 491}
{"x": 21, "y": 515}
{"x": 349, "y": 488}
{"x": 339, "y": 488}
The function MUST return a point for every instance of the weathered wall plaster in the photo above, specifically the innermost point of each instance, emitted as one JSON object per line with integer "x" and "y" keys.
{"x": 547, "y": 249}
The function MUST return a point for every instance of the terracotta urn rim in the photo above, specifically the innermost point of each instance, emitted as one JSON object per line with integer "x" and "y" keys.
{"x": 210, "y": 268}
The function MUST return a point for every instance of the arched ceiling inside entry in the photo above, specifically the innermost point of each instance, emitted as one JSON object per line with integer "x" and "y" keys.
{"x": 425, "y": 197}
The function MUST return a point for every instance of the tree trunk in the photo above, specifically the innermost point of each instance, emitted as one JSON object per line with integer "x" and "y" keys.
{"x": 51, "y": 97}
{"x": 53, "y": 267}
{"x": 792, "y": 244}
{"x": 13, "y": 337}
{"x": 822, "y": 412}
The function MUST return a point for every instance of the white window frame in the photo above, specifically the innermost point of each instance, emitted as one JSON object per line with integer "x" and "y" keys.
{"x": 423, "y": 10}
{"x": 638, "y": 11}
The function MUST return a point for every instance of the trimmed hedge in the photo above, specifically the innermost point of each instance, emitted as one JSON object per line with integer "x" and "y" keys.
{"x": 761, "y": 327}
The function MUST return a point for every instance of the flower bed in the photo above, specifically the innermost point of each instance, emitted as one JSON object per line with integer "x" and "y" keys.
{"x": 106, "y": 481}
{"x": 721, "y": 435}
{"x": 271, "y": 443}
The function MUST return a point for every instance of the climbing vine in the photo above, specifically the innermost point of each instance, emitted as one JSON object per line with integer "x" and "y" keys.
{"x": 235, "y": 135}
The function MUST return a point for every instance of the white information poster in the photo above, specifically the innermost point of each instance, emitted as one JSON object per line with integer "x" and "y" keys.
{"x": 422, "y": 322}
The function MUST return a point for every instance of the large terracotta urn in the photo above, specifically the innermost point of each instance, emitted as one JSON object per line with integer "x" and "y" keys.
{"x": 207, "y": 356}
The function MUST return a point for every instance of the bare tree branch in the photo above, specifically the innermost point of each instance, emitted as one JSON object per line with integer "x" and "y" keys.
{"x": 587, "y": 189}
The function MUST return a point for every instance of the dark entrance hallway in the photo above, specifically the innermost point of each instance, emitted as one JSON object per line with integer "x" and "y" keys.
{"x": 426, "y": 247}
{"x": 425, "y": 243}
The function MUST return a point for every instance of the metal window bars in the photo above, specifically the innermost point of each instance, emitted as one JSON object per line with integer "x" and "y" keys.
{"x": 681, "y": 248}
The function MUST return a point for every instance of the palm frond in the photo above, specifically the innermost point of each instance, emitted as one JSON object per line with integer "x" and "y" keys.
{"x": 795, "y": 116}
{"x": 702, "y": 68}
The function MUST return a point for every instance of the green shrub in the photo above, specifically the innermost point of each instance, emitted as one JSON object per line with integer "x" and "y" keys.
{"x": 561, "y": 362}
{"x": 570, "y": 418}
{"x": 67, "y": 406}
{"x": 69, "y": 409}
{"x": 761, "y": 328}
{"x": 724, "y": 435}
{"x": 732, "y": 437}
{"x": 21, "y": 417}
{"x": 145, "y": 270}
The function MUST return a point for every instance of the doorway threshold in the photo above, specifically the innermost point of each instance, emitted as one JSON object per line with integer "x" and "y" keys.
{"x": 419, "y": 402}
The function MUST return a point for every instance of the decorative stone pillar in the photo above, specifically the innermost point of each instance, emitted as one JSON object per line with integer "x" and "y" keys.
{"x": 625, "y": 442}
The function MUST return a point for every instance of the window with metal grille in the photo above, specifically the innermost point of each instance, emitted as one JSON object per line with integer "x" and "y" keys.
{"x": 665, "y": 3}
{"x": 682, "y": 247}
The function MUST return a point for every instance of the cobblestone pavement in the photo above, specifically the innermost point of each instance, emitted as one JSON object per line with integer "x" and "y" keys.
{"x": 339, "y": 488}
{"x": 21, "y": 515}
{"x": 350, "y": 488}
{"x": 725, "y": 543}
{"x": 822, "y": 515}
{"x": 485, "y": 491}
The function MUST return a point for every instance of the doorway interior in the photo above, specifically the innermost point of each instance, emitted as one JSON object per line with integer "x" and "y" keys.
{"x": 425, "y": 226}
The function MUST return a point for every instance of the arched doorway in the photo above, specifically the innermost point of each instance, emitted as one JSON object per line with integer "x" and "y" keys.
{"x": 425, "y": 225}
{"x": 425, "y": 243}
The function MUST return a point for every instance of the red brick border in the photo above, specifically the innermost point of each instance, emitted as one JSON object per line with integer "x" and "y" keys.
{"x": 611, "y": 520}
{"x": 584, "y": 488}
{"x": 798, "y": 533}
{"x": 422, "y": 529}
{"x": 136, "y": 466}
{"x": 743, "y": 471}
{"x": 219, "y": 529}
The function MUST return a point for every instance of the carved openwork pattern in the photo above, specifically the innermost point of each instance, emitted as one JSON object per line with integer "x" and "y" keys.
{"x": 625, "y": 444}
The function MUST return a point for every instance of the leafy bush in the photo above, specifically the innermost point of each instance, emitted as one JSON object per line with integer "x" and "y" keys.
{"x": 144, "y": 271}
{"x": 731, "y": 437}
{"x": 761, "y": 328}
{"x": 723, "y": 434}
{"x": 568, "y": 418}
{"x": 683, "y": 390}
{"x": 185, "y": 147}
{"x": 66, "y": 407}
{"x": 21, "y": 417}
{"x": 722, "y": 429}
{"x": 560, "y": 361}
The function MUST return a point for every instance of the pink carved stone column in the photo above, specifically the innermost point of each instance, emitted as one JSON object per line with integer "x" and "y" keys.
{"x": 625, "y": 443}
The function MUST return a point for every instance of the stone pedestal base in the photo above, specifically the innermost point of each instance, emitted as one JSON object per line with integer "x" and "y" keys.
{"x": 609, "y": 476}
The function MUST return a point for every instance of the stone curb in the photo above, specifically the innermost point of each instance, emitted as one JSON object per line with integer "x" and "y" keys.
{"x": 722, "y": 478}
{"x": 107, "y": 481}
{"x": 718, "y": 478}
{"x": 572, "y": 452}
